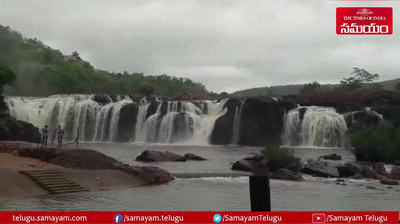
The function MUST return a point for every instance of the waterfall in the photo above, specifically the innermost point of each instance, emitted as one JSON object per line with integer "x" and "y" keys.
{"x": 314, "y": 127}
{"x": 205, "y": 124}
{"x": 236, "y": 123}
{"x": 115, "y": 118}
{"x": 141, "y": 118}
{"x": 83, "y": 118}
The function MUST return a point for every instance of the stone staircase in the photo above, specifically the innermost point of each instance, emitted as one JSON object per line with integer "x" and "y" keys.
{"x": 53, "y": 181}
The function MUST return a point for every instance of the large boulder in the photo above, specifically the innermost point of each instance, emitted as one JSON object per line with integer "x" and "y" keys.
{"x": 320, "y": 169}
{"x": 127, "y": 122}
{"x": 14, "y": 130}
{"x": 261, "y": 121}
{"x": 158, "y": 156}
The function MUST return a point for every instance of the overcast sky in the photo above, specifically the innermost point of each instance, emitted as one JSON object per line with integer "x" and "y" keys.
{"x": 227, "y": 45}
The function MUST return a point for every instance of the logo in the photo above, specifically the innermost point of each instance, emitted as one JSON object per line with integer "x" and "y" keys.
{"x": 118, "y": 218}
{"x": 217, "y": 218}
{"x": 364, "y": 21}
{"x": 318, "y": 218}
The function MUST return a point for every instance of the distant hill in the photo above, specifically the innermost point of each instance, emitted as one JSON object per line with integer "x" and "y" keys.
{"x": 390, "y": 84}
{"x": 295, "y": 89}
{"x": 43, "y": 71}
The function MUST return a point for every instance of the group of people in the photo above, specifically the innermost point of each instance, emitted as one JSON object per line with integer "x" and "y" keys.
{"x": 45, "y": 135}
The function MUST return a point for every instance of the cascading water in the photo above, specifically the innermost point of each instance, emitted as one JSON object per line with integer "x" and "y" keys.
{"x": 236, "y": 123}
{"x": 85, "y": 119}
{"x": 314, "y": 127}
{"x": 205, "y": 124}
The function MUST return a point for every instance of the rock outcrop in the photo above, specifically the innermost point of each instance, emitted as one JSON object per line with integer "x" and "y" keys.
{"x": 261, "y": 121}
{"x": 126, "y": 122}
{"x": 14, "y": 130}
{"x": 363, "y": 119}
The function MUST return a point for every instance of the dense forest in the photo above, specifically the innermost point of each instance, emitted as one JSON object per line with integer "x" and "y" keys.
{"x": 43, "y": 71}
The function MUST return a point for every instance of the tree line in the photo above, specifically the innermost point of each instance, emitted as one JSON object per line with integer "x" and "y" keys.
{"x": 41, "y": 71}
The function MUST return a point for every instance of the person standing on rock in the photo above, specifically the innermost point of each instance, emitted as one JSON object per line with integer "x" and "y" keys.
{"x": 45, "y": 135}
{"x": 77, "y": 139}
{"x": 60, "y": 135}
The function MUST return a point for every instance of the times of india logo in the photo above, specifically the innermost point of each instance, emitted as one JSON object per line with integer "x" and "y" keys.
{"x": 364, "y": 21}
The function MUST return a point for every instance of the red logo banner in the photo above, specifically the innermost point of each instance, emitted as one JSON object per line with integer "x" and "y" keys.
{"x": 126, "y": 217}
{"x": 364, "y": 21}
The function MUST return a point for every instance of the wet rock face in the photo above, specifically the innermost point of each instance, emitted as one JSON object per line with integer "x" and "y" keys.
{"x": 261, "y": 121}
{"x": 223, "y": 128}
{"x": 127, "y": 122}
{"x": 180, "y": 130}
{"x": 3, "y": 107}
{"x": 361, "y": 120}
{"x": 14, "y": 130}
{"x": 152, "y": 108}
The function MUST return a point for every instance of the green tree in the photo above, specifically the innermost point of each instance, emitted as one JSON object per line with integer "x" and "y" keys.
{"x": 7, "y": 76}
{"x": 359, "y": 78}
